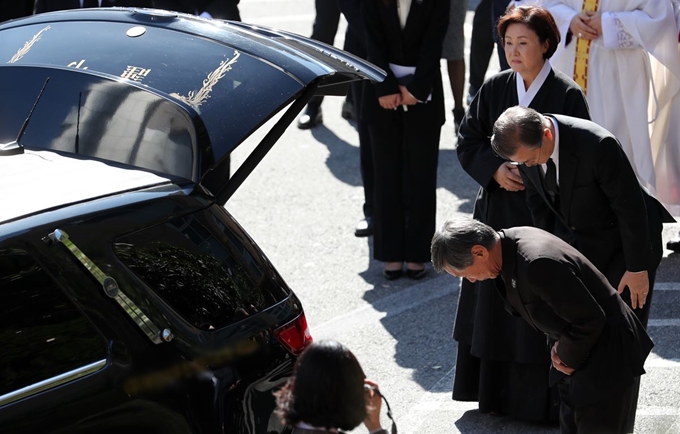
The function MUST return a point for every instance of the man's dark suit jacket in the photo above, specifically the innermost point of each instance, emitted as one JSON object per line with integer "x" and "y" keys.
{"x": 60, "y": 5}
{"x": 614, "y": 222}
{"x": 558, "y": 291}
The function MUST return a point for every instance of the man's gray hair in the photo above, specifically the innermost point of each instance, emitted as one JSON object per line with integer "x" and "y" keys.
{"x": 514, "y": 127}
{"x": 452, "y": 244}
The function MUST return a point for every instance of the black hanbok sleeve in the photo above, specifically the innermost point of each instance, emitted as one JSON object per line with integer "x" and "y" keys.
{"x": 474, "y": 138}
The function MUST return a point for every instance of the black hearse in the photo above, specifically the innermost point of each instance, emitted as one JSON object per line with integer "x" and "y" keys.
{"x": 130, "y": 299}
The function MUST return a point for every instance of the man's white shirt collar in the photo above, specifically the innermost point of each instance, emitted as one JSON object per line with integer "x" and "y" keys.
{"x": 555, "y": 156}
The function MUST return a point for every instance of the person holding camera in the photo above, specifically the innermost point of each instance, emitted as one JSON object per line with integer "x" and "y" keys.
{"x": 329, "y": 392}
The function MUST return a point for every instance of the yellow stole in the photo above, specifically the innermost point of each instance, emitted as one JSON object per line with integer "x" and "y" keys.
{"x": 583, "y": 51}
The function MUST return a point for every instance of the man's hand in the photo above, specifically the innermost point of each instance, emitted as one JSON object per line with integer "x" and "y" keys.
{"x": 406, "y": 96}
{"x": 373, "y": 402}
{"x": 507, "y": 176}
{"x": 390, "y": 102}
{"x": 557, "y": 362}
{"x": 638, "y": 284}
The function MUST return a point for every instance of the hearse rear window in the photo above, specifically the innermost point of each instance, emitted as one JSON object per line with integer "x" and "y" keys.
{"x": 204, "y": 269}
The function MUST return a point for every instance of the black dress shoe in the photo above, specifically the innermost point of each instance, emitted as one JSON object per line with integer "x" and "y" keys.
{"x": 416, "y": 274}
{"x": 392, "y": 274}
{"x": 364, "y": 228}
{"x": 310, "y": 118}
{"x": 674, "y": 244}
{"x": 348, "y": 111}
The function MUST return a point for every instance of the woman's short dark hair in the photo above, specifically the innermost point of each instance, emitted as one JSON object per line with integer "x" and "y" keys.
{"x": 537, "y": 19}
{"x": 452, "y": 244}
{"x": 326, "y": 389}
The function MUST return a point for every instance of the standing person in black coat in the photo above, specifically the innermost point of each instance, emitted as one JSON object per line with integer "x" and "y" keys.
{"x": 355, "y": 43}
{"x": 405, "y": 114}
{"x": 598, "y": 345}
{"x": 498, "y": 9}
{"x": 481, "y": 47}
{"x": 218, "y": 9}
{"x": 16, "y": 9}
{"x": 324, "y": 29}
{"x": 60, "y": 5}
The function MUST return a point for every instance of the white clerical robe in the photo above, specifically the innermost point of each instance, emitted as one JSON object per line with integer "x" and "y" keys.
{"x": 666, "y": 134}
{"x": 621, "y": 92}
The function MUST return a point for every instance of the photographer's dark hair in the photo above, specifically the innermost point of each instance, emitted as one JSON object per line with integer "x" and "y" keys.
{"x": 514, "y": 127}
{"x": 326, "y": 389}
{"x": 452, "y": 243}
{"x": 537, "y": 19}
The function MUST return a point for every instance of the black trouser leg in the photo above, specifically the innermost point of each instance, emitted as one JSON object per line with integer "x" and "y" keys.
{"x": 608, "y": 416}
{"x": 233, "y": 13}
{"x": 498, "y": 8}
{"x": 326, "y": 21}
{"x": 324, "y": 29}
{"x": 481, "y": 45}
{"x": 388, "y": 200}
{"x": 365, "y": 148}
{"x": 405, "y": 169}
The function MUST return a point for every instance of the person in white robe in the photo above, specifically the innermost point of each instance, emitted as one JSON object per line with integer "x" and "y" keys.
{"x": 626, "y": 94}
{"x": 666, "y": 140}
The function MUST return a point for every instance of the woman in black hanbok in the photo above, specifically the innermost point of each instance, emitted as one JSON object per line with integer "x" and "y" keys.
{"x": 502, "y": 362}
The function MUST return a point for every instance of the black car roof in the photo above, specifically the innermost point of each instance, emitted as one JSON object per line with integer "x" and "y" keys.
{"x": 166, "y": 92}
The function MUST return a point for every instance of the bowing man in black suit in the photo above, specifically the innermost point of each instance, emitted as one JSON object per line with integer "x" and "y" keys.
{"x": 599, "y": 344}
{"x": 60, "y": 5}
{"x": 578, "y": 177}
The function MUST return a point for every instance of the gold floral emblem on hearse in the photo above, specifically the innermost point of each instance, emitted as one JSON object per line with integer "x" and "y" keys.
{"x": 28, "y": 45}
{"x": 196, "y": 98}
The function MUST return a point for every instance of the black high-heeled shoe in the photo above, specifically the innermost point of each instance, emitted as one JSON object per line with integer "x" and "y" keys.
{"x": 416, "y": 274}
{"x": 393, "y": 274}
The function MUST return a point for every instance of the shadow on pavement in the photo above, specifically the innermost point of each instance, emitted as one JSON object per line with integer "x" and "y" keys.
{"x": 343, "y": 158}
{"x": 428, "y": 348}
{"x": 475, "y": 422}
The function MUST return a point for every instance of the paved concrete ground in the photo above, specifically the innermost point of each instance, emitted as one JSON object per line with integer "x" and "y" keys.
{"x": 301, "y": 205}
